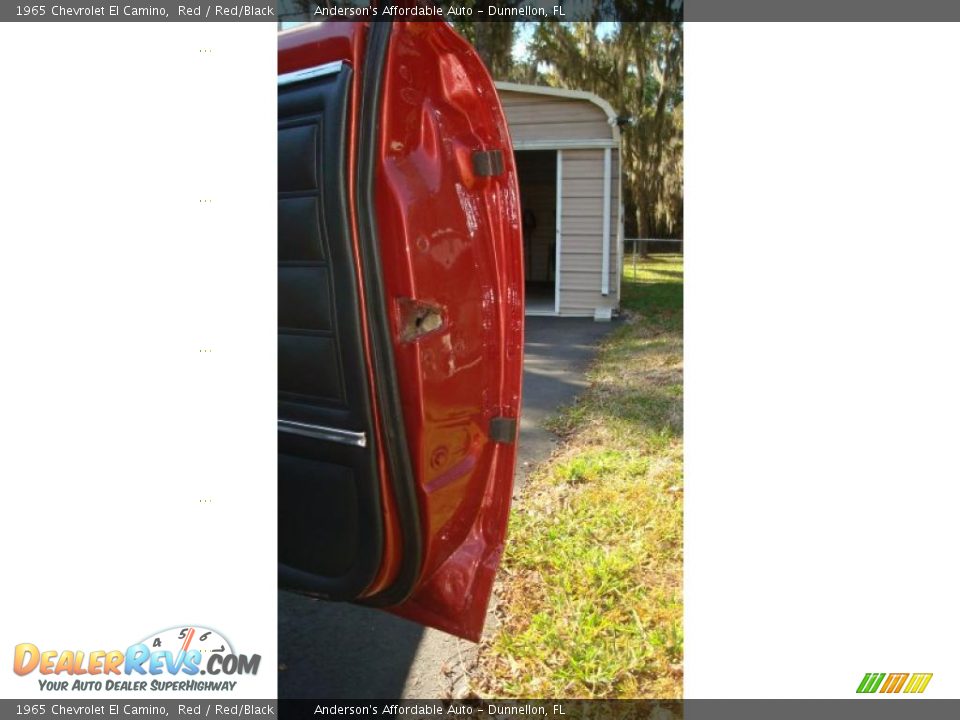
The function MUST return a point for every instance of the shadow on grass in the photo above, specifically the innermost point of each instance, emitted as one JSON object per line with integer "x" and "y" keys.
{"x": 656, "y": 291}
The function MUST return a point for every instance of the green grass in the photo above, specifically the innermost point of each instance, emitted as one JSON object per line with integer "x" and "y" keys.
{"x": 590, "y": 592}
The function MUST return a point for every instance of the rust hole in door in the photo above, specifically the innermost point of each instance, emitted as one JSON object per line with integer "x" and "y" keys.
{"x": 418, "y": 319}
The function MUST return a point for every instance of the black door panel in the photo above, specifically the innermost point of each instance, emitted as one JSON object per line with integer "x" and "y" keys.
{"x": 330, "y": 539}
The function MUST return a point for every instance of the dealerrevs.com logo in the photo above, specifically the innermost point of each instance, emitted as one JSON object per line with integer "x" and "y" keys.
{"x": 172, "y": 659}
{"x": 910, "y": 683}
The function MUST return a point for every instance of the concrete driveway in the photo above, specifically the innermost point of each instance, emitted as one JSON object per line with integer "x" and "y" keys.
{"x": 338, "y": 650}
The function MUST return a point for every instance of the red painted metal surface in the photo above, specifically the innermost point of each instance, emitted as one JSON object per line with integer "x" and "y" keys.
{"x": 451, "y": 243}
{"x": 453, "y": 239}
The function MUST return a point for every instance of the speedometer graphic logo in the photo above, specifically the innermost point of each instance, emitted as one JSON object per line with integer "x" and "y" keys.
{"x": 184, "y": 639}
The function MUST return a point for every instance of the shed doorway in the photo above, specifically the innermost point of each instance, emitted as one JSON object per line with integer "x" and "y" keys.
{"x": 537, "y": 174}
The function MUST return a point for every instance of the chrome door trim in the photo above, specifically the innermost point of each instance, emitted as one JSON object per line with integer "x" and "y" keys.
{"x": 310, "y": 73}
{"x": 320, "y": 432}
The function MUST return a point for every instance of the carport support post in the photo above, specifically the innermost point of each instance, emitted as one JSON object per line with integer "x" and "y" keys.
{"x": 559, "y": 237}
{"x": 605, "y": 279}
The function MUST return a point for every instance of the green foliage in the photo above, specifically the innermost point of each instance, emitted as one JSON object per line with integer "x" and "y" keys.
{"x": 493, "y": 41}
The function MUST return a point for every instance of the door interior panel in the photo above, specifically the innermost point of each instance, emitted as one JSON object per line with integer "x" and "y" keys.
{"x": 330, "y": 539}
{"x": 318, "y": 484}
{"x": 299, "y": 230}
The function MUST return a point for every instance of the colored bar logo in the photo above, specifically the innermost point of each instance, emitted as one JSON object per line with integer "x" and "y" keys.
{"x": 894, "y": 682}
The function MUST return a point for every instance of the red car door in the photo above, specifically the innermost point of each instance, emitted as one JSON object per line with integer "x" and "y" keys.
{"x": 400, "y": 306}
